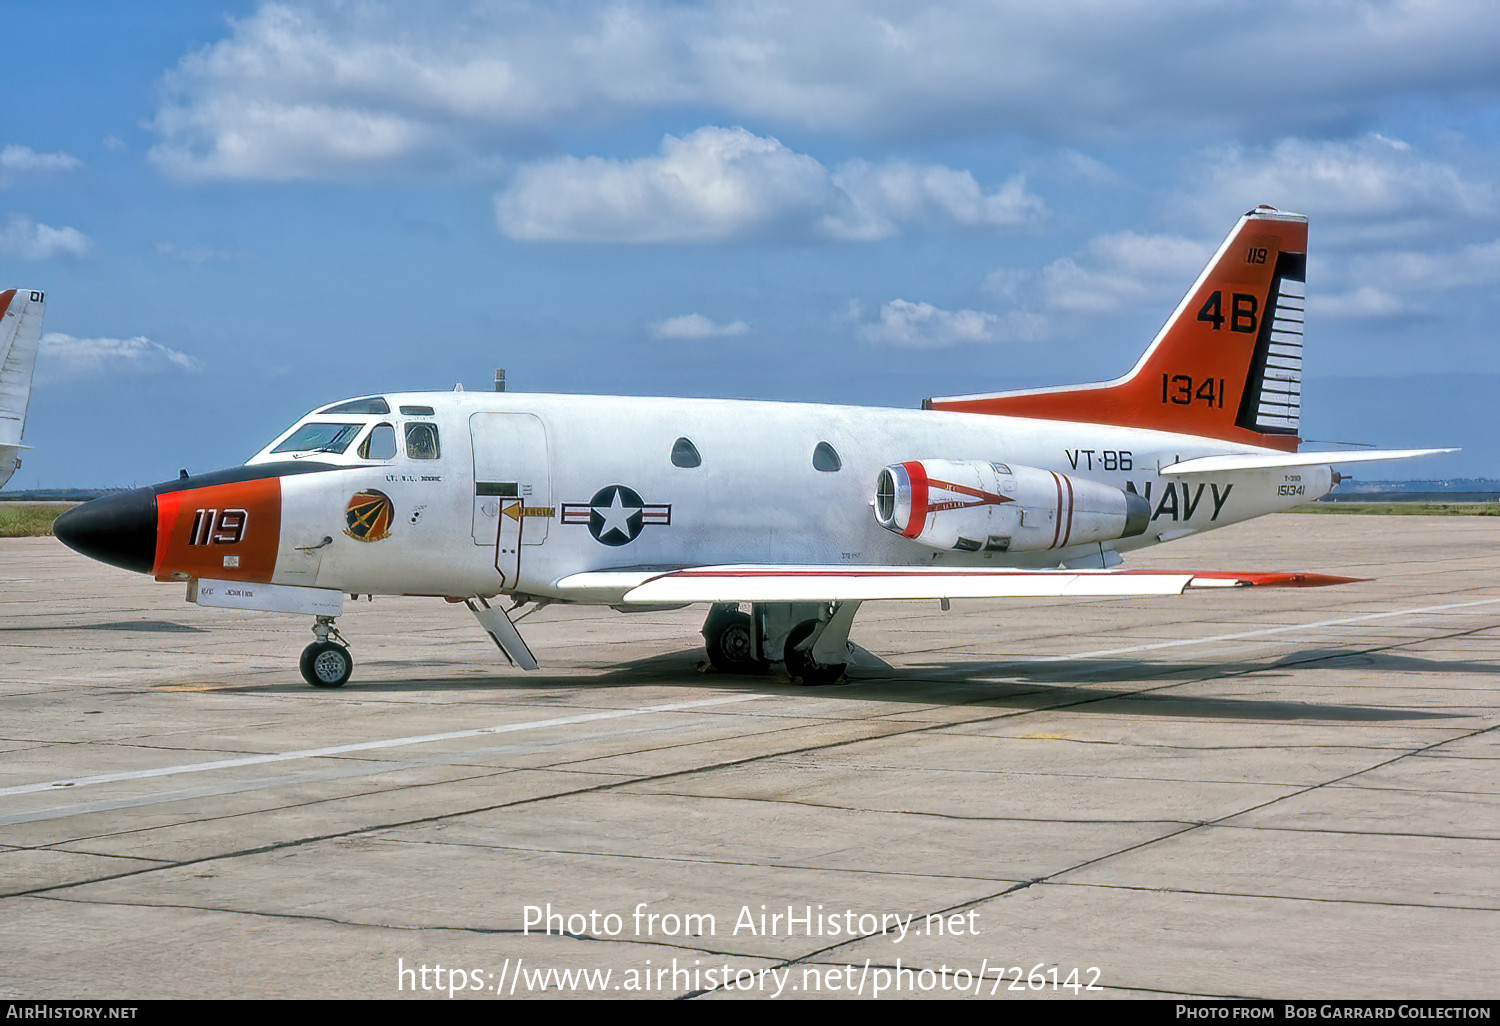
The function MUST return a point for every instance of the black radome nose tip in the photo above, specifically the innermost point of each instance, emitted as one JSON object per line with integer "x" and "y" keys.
{"x": 118, "y": 529}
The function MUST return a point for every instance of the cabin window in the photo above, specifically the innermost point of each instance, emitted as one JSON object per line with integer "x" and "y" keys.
{"x": 416, "y": 411}
{"x": 422, "y": 441}
{"x": 374, "y": 405}
{"x": 380, "y": 444}
{"x": 685, "y": 454}
{"x": 826, "y": 458}
{"x": 320, "y": 437}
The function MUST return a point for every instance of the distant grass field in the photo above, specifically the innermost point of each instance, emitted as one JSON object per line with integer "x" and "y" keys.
{"x": 28, "y": 520}
{"x": 1428, "y": 509}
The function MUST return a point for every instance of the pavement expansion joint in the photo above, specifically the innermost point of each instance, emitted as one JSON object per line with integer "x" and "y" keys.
{"x": 1351, "y": 691}
{"x": 1253, "y": 896}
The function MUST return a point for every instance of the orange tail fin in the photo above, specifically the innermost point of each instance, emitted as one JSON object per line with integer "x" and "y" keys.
{"x": 1228, "y": 363}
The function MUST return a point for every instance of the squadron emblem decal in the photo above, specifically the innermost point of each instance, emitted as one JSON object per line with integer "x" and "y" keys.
{"x": 369, "y": 515}
{"x": 616, "y": 514}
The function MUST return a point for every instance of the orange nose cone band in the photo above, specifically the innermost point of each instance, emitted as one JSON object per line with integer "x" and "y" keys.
{"x": 227, "y": 531}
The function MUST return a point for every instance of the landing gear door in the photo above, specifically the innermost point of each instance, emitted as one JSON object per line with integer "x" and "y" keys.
{"x": 512, "y": 493}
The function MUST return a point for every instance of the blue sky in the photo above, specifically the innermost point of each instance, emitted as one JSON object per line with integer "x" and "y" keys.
{"x": 242, "y": 211}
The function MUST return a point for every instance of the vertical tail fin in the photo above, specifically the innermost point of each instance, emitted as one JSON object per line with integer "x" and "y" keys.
{"x": 20, "y": 337}
{"x": 1227, "y": 364}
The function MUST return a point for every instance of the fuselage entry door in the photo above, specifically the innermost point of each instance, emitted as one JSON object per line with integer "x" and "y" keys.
{"x": 512, "y": 491}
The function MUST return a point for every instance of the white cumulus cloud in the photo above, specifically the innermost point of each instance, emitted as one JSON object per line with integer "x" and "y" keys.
{"x": 1393, "y": 228}
{"x": 25, "y": 239}
{"x": 330, "y": 89}
{"x": 1368, "y": 187}
{"x": 64, "y": 356}
{"x": 909, "y": 325}
{"x": 1110, "y": 273}
{"x": 696, "y": 325}
{"x": 1366, "y": 301}
{"x": 1385, "y": 283}
{"x": 715, "y": 184}
{"x": 1461, "y": 267}
{"x": 887, "y": 197}
{"x": 326, "y": 90}
{"x": 23, "y": 158}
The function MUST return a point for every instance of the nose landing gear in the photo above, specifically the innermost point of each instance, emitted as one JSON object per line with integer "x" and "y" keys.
{"x": 326, "y": 663}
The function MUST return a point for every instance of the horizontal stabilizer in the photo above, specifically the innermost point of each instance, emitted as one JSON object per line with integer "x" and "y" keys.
{"x": 1278, "y": 460}
{"x": 871, "y": 583}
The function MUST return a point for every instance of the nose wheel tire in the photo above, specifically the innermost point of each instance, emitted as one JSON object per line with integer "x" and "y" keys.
{"x": 801, "y": 666}
{"x": 326, "y": 664}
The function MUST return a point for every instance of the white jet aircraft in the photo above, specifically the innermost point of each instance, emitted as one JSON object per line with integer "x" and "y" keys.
{"x": 20, "y": 335}
{"x": 800, "y": 512}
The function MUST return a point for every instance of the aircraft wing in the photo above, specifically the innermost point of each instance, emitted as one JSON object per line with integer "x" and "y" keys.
{"x": 762, "y": 583}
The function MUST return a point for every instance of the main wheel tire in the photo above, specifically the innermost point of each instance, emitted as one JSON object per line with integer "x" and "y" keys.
{"x": 326, "y": 664}
{"x": 731, "y": 645}
{"x": 800, "y": 664}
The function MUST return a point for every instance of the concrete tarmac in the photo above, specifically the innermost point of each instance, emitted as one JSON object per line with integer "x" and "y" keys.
{"x": 1271, "y": 793}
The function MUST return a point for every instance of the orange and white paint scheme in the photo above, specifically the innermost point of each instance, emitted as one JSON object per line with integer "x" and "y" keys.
{"x": 1227, "y": 364}
{"x": 782, "y": 518}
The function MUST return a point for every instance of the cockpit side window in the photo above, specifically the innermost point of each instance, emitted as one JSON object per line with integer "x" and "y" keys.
{"x": 316, "y": 436}
{"x": 422, "y": 441}
{"x": 380, "y": 444}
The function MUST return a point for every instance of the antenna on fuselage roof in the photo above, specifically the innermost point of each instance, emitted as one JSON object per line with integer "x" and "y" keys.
{"x": 459, "y": 387}
{"x": 499, "y": 379}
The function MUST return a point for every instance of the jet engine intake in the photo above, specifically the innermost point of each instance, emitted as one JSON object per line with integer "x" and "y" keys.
{"x": 974, "y": 506}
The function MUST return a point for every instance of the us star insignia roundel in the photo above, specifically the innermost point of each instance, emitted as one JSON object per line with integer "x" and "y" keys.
{"x": 616, "y": 514}
{"x": 369, "y": 516}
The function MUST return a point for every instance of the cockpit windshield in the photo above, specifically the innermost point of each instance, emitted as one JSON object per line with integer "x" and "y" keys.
{"x": 320, "y": 437}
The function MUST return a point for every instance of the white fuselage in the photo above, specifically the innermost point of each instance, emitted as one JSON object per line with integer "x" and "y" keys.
{"x": 564, "y": 468}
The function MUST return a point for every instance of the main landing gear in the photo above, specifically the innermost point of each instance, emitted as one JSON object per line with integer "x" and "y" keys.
{"x": 729, "y": 636}
{"x": 811, "y": 639}
{"x": 326, "y": 663}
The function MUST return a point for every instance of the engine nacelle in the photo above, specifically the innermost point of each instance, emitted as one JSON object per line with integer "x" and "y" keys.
{"x": 974, "y": 506}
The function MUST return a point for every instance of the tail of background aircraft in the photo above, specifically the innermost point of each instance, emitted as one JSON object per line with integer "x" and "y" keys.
{"x": 20, "y": 337}
{"x": 1228, "y": 363}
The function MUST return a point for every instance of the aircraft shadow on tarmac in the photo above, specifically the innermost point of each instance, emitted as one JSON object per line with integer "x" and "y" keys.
{"x": 143, "y": 626}
{"x": 1002, "y": 685}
